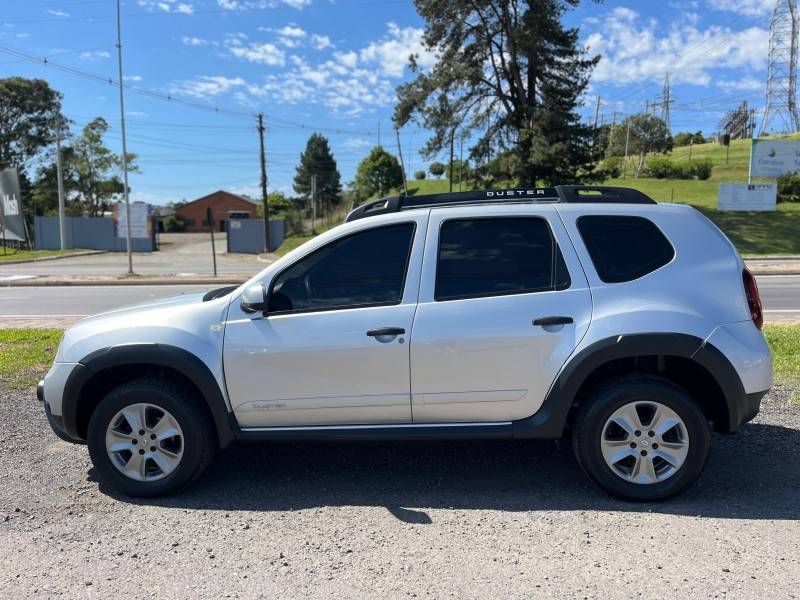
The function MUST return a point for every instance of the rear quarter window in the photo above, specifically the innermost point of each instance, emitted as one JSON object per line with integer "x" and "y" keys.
{"x": 624, "y": 248}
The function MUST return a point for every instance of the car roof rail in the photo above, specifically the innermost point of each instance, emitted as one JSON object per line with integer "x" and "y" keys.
{"x": 566, "y": 194}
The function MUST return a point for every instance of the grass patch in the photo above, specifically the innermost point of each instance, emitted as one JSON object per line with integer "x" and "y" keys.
{"x": 31, "y": 254}
{"x": 26, "y": 355}
{"x": 785, "y": 343}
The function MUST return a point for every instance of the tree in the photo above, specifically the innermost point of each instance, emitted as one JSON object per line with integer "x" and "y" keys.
{"x": 419, "y": 175}
{"x": 44, "y": 190}
{"x": 97, "y": 169}
{"x": 437, "y": 169}
{"x": 509, "y": 74}
{"x": 643, "y": 134}
{"x": 684, "y": 138}
{"x": 317, "y": 159}
{"x": 378, "y": 173}
{"x": 29, "y": 111}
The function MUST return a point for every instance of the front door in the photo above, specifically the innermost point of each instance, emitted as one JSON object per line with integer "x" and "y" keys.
{"x": 333, "y": 348}
{"x": 502, "y": 305}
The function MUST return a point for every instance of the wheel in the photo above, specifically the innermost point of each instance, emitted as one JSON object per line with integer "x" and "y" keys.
{"x": 641, "y": 438}
{"x": 150, "y": 437}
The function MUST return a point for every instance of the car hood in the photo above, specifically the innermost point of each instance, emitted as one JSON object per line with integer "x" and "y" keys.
{"x": 172, "y": 302}
{"x": 185, "y": 321}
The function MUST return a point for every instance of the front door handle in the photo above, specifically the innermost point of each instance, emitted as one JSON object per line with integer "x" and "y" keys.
{"x": 546, "y": 321}
{"x": 386, "y": 331}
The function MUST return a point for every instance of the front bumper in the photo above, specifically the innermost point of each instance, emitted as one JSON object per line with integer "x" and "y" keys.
{"x": 56, "y": 421}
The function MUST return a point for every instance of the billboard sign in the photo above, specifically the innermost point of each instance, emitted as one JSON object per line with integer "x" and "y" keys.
{"x": 769, "y": 158}
{"x": 140, "y": 220}
{"x": 747, "y": 196}
{"x": 12, "y": 220}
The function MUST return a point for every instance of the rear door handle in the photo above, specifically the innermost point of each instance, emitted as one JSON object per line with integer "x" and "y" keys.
{"x": 545, "y": 321}
{"x": 386, "y": 331}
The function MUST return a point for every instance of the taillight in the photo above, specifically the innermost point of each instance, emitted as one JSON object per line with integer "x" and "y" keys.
{"x": 753, "y": 298}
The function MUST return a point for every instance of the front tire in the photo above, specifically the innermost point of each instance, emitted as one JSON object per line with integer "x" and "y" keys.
{"x": 641, "y": 438}
{"x": 149, "y": 437}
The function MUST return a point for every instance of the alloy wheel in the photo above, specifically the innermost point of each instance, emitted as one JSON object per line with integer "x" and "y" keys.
{"x": 144, "y": 442}
{"x": 644, "y": 442}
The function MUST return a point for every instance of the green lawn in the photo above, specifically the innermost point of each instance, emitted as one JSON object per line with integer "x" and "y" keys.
{"x": 754, "y": 234}
{"x": 25, "y": 355}
{"x": 30, "y": 254}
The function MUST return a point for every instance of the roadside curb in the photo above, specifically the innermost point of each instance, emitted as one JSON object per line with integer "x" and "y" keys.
{"x": 765, "y": 272}
{"x": 121, "y": 282}
{"x": 49, "y": 258}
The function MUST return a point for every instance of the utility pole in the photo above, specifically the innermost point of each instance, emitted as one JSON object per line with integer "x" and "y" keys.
{"x": 402, "y": 164}
{"x": 452, "y": 139}
{"x": 313, "y": 205}
{"x": 597, "y": 113}
{"x": 264, "y": 200}
{"x": 125, "y": 195}
{"x": 62, "y": 229}
{"x": 460, "y": 161}
{"x": 627, "y": 142}
{"x": 782, "y": 78}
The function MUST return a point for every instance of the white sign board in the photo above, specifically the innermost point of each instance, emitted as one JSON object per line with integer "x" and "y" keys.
{"x": 139, "y": 220}
{"x": 773, "y": 158}
{"x": 747, "y": 196}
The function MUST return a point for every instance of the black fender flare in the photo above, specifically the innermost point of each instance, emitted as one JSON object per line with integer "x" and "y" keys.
{"x": 551, "y": 419}
{"x": 161, "y": 355}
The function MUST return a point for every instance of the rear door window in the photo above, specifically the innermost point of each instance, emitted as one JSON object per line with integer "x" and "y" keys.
{"x": 498, "y": 256}
{"x": 624, "y": 248}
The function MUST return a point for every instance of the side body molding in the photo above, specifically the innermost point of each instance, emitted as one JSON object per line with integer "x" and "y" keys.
{"x": 160, "y": 355}
{"x": 551, "y": 419}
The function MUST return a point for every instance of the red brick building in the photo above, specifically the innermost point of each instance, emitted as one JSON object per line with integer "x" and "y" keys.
{"x": 224, "y": 206}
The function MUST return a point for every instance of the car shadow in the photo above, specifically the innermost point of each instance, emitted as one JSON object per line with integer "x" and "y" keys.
{"x": 752, "y": 475}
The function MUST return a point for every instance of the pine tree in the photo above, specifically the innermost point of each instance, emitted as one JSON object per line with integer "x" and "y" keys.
{"x": 509, "y": 74}
{"x": 317, "y": 159}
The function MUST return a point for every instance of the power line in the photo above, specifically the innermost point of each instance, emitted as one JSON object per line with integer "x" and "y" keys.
{"x": 30, "y": 57}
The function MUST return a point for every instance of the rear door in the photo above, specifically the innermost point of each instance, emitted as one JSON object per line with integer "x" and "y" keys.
{"x": 503, "y": 303}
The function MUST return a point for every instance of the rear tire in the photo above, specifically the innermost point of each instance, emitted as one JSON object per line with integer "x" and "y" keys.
{"x": 641, "y": 438}
{"x": 168, "y": 431}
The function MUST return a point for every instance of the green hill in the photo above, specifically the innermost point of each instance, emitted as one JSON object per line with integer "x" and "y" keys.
{"x": 753, "y": 233}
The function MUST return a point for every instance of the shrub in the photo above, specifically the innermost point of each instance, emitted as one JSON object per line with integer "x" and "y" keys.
{"x": 173, "y": 224}
{"x": 294, "y": 221}
{"x": 660, "y": 167}
{"x": 789, "y": 187}
{"x": 610, "y": 168}
{"x": 701, "y": 168}
{"x": 419, "y": 175}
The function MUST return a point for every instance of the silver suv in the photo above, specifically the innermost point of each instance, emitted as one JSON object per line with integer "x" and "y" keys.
{"x": 632, "y": 326}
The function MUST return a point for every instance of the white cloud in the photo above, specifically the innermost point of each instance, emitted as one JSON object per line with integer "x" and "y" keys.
{"x": 168, "y": 6}
{"x": 391, "y": 54}
{"x": 753, "y": 8}
{"x": 748, "y": 84}
{"x": 193, "y": 41}
{"x": 206, "y": 86}
{"x": 264, "y": 53}
{"x": 348, "y": 59}
{"x": 58, "y": 13}
{"x": 292, "y": 31}
{"x": 636, "y": 50}
{"x": 261, "y": 4}
{"x": 94, "y": 55}
{"x": 356, "y": 144}
{"x": 321, "y": 42}
{"x": 132, "y": 78}
{"x": 23, "y": 36}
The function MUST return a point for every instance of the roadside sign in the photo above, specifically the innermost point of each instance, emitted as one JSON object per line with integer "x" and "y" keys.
{"x": 140, "y": 219}
{"x": 771, "y": 158}
{"x": 747, "y": 196}
{"x": 12, "y": 222}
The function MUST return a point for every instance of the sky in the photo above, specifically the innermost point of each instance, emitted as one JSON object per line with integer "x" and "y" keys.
{"x": 199, "y": 70}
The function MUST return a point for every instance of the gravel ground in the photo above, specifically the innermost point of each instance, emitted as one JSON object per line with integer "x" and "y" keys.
{"x": 443, "y": 520}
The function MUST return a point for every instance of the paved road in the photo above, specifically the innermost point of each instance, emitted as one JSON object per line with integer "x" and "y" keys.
{"x": 781, "y": 296}
{"x": 180, "y": 254}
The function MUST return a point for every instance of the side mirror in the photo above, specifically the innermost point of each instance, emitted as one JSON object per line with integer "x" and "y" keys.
{"x": 254, "y": 298}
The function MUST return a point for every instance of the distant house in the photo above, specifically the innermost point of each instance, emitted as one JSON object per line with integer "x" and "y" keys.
{"x": 224, "y": 206}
